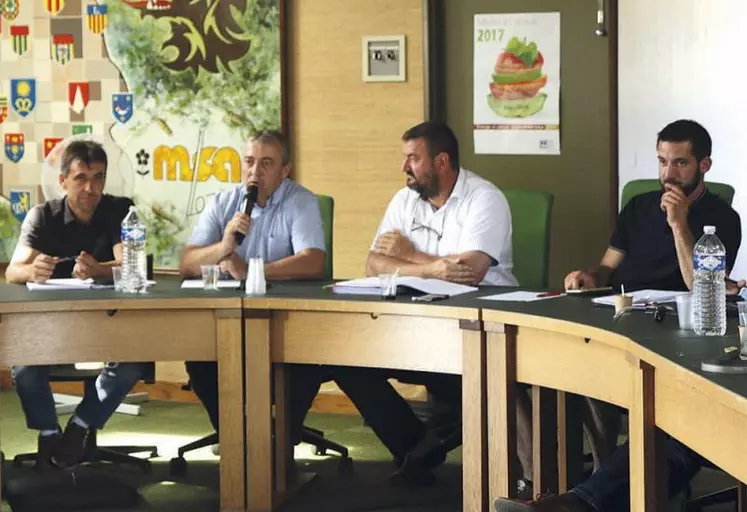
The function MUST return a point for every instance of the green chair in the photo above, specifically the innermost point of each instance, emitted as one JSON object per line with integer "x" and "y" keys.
{"x": 327, "y": 208}
{"x": 637, "y": 187}
{"x": 530, "y": 216}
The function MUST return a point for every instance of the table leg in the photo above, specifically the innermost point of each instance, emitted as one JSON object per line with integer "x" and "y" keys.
{"x": 231, "y": 400}
{"x": 501, "y": 370}
{"x": 544, "y": 440}
{"x": 570, "y": 441}
{"x": 258, "y": 414}
{"x": 474, "y": 422}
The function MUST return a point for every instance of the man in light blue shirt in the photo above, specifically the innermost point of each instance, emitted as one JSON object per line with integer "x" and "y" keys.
{"x": 284, "y": 229}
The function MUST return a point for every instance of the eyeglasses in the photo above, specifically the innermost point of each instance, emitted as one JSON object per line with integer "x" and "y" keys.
{"x": 416, "y": 225}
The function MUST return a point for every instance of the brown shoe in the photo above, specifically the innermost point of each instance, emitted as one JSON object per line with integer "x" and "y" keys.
{"x": 71, "y": 449}
{"x": 45, "y": 446}
{"x": 550, "y": 503}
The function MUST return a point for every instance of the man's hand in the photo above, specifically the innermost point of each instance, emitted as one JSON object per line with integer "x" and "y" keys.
{"x": 451, "y": 269}
{"x": 733, "y": 287}
{"x": 239, "y": 224}
{"x": 42, "y": 267}
{"x": 395, "y": 245}
{"x": 675, "y": 204}
{"x": 86, "y": 266}
{"x": 234, "y": 266}
{"x": 580, "y": 280}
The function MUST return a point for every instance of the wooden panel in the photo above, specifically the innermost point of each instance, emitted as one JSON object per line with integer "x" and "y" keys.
{"x": 151, "y": 334}
{"x": 687, "y": 406}
{"x": 552, "y": 360}
{"x": 380, "y": 341}
{"x": 346, "y": 133}
{"x": 474, "y": 424}
{"x": 231, "y": 393}
{"x": 258, "y": 415}
{"x": 501, "y": 374}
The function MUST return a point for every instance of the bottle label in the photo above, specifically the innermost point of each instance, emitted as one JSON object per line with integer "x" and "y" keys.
{"x": 133, "y": 234}
{"x": 709, "y": 262}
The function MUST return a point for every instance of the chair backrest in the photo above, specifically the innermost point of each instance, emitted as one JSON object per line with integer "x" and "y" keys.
{"x": 530, "y": 215}
{"x": 327, "y": 208}
{"x": 637, "y": 187}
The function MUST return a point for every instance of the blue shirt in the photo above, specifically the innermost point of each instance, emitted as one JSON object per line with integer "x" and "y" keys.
{"x": 289, "y": 223}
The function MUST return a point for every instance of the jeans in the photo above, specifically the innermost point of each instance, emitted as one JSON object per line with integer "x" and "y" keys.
{"x": 99, "y": 400}
{"x": 608, "y": 489}
{"x": 303, "y": 384}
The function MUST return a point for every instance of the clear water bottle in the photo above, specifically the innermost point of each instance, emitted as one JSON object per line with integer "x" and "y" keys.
{"x": 134, "y": 259}
{"x": 709, "y": 287}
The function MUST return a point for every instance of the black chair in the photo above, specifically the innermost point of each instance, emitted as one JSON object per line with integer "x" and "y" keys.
{"x": 736, "y": 495}
{"x": 94, "y": 452}
{"x": 178, "y": 465}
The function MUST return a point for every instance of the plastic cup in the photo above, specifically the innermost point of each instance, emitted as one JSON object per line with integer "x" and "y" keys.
{"x": 210, "y": 275}
{"x": 117, "y": 278}
{"x": 742, "y": 308}
{"x": 685, "y": 311}
{"x": 622, "y": 302}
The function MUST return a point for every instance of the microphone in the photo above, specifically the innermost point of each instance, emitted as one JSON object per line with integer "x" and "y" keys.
{"x": 250, "y": 197}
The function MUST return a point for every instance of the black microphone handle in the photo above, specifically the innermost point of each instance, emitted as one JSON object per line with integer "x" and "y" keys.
{"x": 249, "y": 199}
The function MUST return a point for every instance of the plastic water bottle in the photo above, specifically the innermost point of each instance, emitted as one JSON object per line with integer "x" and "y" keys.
{"x": 134, "y": 259}
{"x": 709, "y": 287}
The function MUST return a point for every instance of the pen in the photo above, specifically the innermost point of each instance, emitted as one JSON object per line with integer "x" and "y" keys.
{"x": 67, "y": 258}
{"x": 549, "y": 294}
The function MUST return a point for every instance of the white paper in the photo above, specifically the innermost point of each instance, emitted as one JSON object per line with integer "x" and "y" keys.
{"x": 68, "y": 283}
{"x": 641, "y": 297}
{"x": 418, "y": 283}
{"x": 523, "y": 117}
{"x": 197, "y": 284}
{"x": 520, "y": 296}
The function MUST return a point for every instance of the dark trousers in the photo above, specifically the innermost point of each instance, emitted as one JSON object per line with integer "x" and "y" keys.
{"x": 608, "y": 489}
{"x": 386, "y": 411}
{"x": 303, "y": 385}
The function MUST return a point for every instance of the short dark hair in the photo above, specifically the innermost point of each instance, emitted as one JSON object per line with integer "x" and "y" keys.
{"x": 686, "y": 130}
{"x": 274, "y": 137}
{"x": 87, "y": 151}
{"x": 438, "y": 139}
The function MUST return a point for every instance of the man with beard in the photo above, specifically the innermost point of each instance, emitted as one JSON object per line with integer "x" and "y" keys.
{"x": 450, "y": 224}
{"x": 652, "y": 247}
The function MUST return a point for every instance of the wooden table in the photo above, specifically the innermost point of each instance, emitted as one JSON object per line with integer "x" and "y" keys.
{"x": 652, "y": 369}
{"x": 304, "y": 324}
{"x": 167, "y": 324}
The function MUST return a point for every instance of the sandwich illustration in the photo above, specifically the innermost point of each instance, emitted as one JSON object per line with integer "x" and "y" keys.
{"x": 517, "y": 80}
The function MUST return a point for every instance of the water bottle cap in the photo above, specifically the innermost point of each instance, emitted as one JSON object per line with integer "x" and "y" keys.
{"x": 709, "y": 230}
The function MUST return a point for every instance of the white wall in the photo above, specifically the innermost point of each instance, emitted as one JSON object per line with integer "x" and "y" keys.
{"x": 685, "y": 59}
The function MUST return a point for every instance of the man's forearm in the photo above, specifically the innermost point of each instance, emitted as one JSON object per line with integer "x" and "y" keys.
{"x": 299, "y": 266}
{"x": 381, "y": 264}
{"x": 195, "y": 256}
{"x": 684, "y": 241}
{"x": 18, "y": 273}
{"x": 602, "y": 275}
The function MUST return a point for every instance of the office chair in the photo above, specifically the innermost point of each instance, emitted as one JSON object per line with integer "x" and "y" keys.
{"x": 96, "y": 453}
{"x": 178, "y": 465}
{"x": 530, "y": 216}
{"x": 637, "y": 187}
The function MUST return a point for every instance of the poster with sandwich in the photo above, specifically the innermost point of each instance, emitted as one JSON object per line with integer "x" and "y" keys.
{"x": 517, "y": 84}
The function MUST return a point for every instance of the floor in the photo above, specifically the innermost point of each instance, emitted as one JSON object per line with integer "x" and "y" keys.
{"x": 170, "y": 425}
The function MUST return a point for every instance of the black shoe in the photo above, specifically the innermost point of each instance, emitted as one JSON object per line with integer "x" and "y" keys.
{"x": 417, "y": 467}
{"x": 71, "y": 449}
{"x": 524, "y": 490}
{"x": 45, "y": 447}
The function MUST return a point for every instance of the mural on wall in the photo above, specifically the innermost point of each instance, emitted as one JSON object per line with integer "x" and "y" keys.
{"x": 172, "y": 88}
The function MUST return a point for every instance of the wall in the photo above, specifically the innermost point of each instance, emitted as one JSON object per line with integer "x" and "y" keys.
{"x": 582, "y": 176}
{"x": 695, "y": 73}
{"x": 346, "y": 133}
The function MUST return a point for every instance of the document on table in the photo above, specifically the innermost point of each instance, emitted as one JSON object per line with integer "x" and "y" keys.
{"x": 370, "y": 286}
{"x": 641, "y": 297}
{"x": 197, "y": 284}
{"x": 522, "y": 296}
{"x": 68, "y": 283}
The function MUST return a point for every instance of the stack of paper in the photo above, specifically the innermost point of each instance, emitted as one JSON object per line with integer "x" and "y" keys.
{"x": 370, "y": 286}
{"x": 197, "y": 284}
{"x": 69, "y": 283}
{"x": 641, "y": 297}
